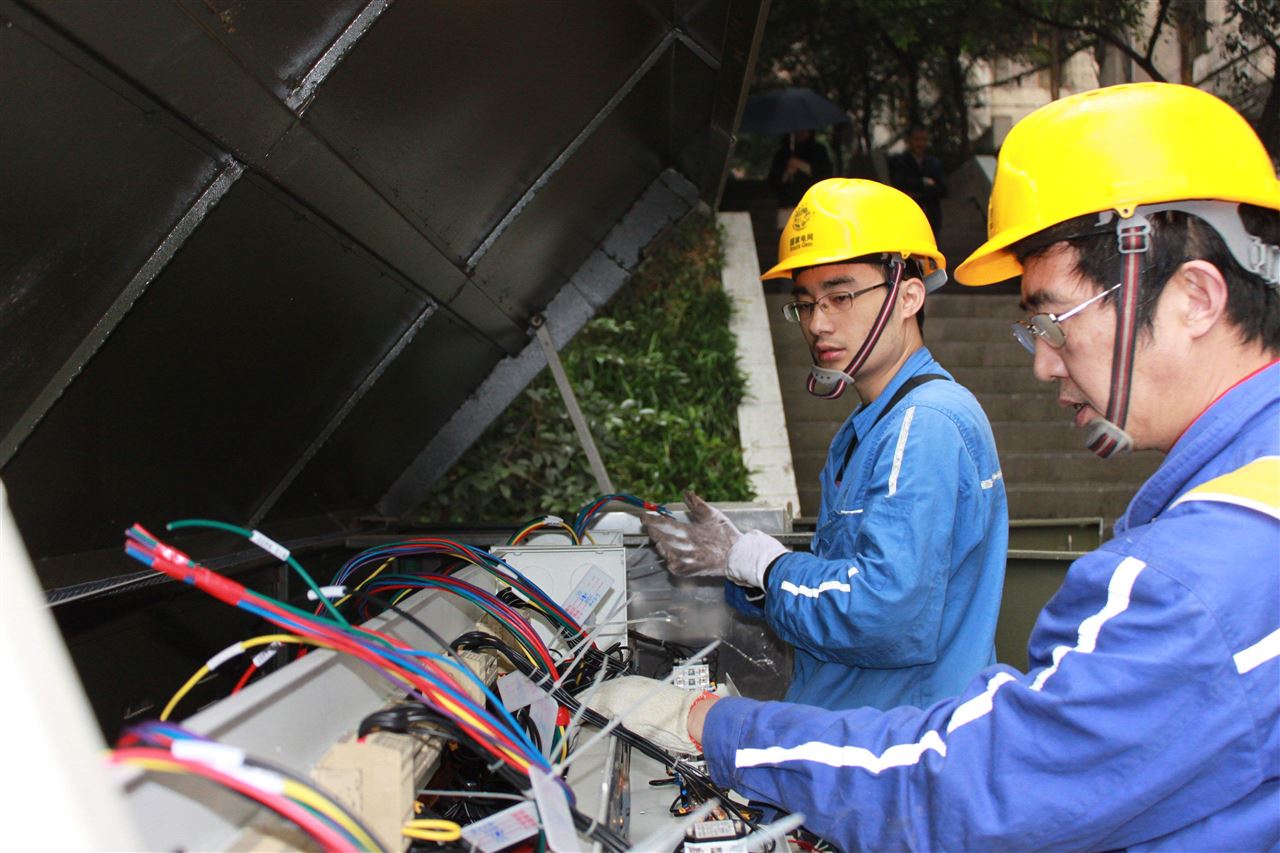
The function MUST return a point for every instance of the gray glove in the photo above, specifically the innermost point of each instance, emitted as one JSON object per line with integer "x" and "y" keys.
{"x": 653, "y": 709}
{"x": 698, "y": 547}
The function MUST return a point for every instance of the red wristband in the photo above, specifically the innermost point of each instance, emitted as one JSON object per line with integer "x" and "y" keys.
{"x": 706, "y": 694}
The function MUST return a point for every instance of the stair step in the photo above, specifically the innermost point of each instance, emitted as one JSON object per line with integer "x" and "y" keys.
{"x": 976, "y": 303}
{"x": 985, "y": 329}
{"x": 1031, "y": 436}
{"x": 980, "y": 354}
{"x": 1070, "y": 500}
{"x": 1036, "y": 468}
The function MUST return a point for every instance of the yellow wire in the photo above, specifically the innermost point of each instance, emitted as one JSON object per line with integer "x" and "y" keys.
{"x": 432, "y": 829}
{"x": 360, "y": 585}
{"x": 245, "y": 645}
{"x": 292, "y": 789}
{"x": 309, "y": 797}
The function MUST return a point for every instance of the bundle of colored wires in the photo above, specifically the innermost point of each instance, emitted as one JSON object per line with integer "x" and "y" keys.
{"x": 167, "y": 748}
{"x": 429, "y": 677}
{"x": 461, "y": 554}
{"x": 543, "y": 522}
{"x": 696, "y": 781}
{"x": 589, "y": 510}
{"x": 230, "y": 652}
{"x": 534, "y": 649}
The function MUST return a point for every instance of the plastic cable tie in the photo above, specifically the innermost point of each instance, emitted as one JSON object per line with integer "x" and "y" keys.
{"x": 269, "y": 545}
{"x": 553, "y": 519}
{"x": 219, "y": 756}
{"x": 327, "y": 592}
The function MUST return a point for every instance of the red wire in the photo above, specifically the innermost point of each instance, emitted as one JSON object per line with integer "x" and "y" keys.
{"x": 244, "y": 679}
{"x": 329, "y": 838}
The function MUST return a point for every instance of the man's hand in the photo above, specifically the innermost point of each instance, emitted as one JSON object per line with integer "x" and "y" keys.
{"x": 710, "y": 545}
{"x": 653, "y": 709}
{"x": 698, "y": 547}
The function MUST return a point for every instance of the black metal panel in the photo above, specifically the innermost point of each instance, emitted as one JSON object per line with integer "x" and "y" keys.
{"x": 414, "y": 398}
{"x": 90, "y": 183}
{"x": 453, "y": 108}
{"x": 581, "y": 202}
{"x": 215, "y": 383}
{"x": 224, "y": 220}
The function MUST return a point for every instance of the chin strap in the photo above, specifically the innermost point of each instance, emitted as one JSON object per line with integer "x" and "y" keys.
{"x": 830, "y": 384}
{"x": 1106, "y": 436}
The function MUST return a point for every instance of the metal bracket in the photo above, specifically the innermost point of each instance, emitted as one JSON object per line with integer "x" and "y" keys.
{"x": 571, "y": 403}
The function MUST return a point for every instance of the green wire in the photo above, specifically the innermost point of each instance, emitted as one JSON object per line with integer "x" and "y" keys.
{"x": 293, "y": 564}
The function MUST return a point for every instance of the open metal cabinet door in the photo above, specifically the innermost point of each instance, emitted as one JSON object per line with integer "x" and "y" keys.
{"x": 277, "y": 263}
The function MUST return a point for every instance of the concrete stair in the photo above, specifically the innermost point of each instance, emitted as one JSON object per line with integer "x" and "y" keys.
{"x": 1047, "y": 471}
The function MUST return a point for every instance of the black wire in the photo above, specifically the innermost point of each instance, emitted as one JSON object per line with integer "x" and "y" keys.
{"x": 415, "y": 622}
{"x": 695, "y": 780}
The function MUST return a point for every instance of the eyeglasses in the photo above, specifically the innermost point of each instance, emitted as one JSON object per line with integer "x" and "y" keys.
{"x": 1048, "y": 327}
{"x": 830, "y": 303}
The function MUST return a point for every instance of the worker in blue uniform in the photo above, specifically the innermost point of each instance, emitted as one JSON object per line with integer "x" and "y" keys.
{"x": 897, "y": 603}
{"x": 1145, "y": 222}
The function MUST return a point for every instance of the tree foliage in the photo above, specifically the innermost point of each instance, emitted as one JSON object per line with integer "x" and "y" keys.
{"x": 657, "y": 378}
{"x": 891, "y": 62}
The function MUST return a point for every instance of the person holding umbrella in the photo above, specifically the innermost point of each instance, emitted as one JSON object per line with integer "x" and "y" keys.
{"x": 793, "y": 113}
{"x": 800, "y": 163}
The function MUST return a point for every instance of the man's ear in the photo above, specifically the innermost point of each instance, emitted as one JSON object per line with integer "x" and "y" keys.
{"x": 911, "y": 296}
{"x": 1203, "y": 296}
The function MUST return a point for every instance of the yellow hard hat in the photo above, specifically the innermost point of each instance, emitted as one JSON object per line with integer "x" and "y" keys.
{"x": 843, "y": 218}
{"x": 1115, "y": 149}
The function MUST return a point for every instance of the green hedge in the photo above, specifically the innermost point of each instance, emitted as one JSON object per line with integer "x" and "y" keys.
{"x": 656, "y": 376}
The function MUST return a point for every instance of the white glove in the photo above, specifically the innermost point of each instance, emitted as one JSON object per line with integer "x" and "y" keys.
{"x": 653, "y": 709}
{"x": 698, "y": 547}
{"x": 750, "y": 556}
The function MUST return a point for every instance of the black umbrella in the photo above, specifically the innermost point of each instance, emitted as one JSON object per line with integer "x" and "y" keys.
{"x": 781, "y": 111}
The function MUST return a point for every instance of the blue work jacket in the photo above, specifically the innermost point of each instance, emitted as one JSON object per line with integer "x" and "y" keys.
{"x": 1149, "y": 718}
{"x": 897, "y": 603}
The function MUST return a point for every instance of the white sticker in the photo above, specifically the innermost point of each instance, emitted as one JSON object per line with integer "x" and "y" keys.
{"x": 543, "y": 713}
{"x": 553, "y": 808}
{"x": 695, "y": 676}
{"x": 588, "y": 594}
{"x": 517, "y": 691}
{"x": 502, "y": 830}
{"x": 714, "y": 829}
{"x": 269, "y": 545}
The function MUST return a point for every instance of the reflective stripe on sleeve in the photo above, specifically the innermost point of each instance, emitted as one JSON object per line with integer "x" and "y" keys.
{"x": 1259, "y": 653}
{"x": 908, "y": 754}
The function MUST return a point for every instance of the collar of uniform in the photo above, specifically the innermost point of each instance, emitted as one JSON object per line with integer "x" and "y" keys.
{"x": 1188, "y": 462}
{"x": 920, "y": 361}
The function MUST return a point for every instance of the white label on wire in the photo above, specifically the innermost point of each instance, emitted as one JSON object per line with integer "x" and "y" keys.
{"x": 588, "y": 594}
{"x": 326, "y": 591}
{"x": 517, "y": 691}
{"x": 219, "y": 756}
{"x": 502, "y": 830}
{"x": 553, "y": 808}
{"x": 269, "y": 545}
{"x": 265, "y": 655}
{"x": 223, "y": 656}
